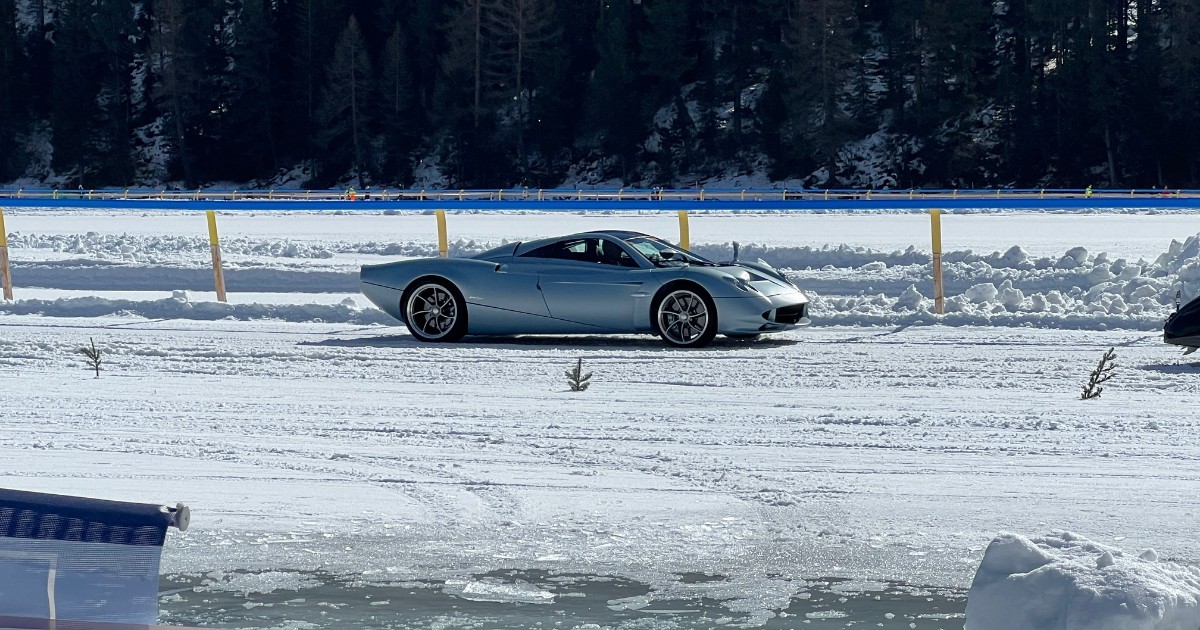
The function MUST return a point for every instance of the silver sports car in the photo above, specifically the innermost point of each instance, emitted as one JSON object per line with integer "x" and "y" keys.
{"x": 596, "y": 282}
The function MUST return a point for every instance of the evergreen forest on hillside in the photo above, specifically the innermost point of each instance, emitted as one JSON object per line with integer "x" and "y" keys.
{"x": 538, "y": 93}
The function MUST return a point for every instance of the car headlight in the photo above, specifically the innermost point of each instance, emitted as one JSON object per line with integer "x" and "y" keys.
{"x": 741, "y": 284}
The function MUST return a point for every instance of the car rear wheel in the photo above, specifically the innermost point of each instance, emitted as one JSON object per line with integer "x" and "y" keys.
{"x": 435, "y": 311}
{"x": 685, "y": 318}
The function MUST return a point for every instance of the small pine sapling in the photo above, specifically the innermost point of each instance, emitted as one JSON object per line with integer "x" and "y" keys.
{"x": 1103, "y": 372}
{"x": 93, "y": 356}
{"x": 577, "y": 379}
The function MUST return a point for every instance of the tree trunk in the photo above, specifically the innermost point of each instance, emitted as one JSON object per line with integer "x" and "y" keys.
{"x": 1112, "y": 160}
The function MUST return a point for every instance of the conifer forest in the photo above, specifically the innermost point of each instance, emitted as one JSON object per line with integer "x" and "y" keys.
{"x": 546, "y": 93}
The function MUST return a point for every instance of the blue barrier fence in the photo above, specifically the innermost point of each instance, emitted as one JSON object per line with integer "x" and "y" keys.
{"x": 561, "y": 200}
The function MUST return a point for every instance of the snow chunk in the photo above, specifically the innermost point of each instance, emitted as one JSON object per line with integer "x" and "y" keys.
{"x": 981, "y": 293}
{"x": 910, "y": 300}
{"x": 489, "y": 590}
{"x": 1066, "y": 582}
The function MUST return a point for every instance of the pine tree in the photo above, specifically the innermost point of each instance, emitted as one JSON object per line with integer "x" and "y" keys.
{"x": 397, "y": 110}
{"x": 13, "y": 66}
{"x": 820, "y": 52}
{"x": 461, "y": 64}
{"x": 1182, "y": 74}
{"x": 184, "y": 59}
{"x": 344, "y": 118}
{"x": 251, "y": 149}
{"x": 665, "y": 51}
{"x": 520, "y": 33}
{"x": 614, "y": 92}
{"x": 309, "y": 48}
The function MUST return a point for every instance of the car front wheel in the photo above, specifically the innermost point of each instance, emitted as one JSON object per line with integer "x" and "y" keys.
{"x": 435, "y": 311}
{"x": 685, "y": 318}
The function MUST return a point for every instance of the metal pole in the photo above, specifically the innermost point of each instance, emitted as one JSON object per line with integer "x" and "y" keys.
{"x": 215, "y": 245}
{"x": 443, "y": 242}
{"x": 684, "y": 233}
{"x": 5, "y": 273}
{"x": 939, "y": 301}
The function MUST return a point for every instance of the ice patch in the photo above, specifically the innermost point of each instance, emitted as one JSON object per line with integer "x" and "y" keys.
{"x": 519, "y": 591}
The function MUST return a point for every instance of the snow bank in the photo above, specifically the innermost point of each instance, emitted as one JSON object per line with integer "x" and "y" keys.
{"x": 1066, "y": 582}
{"x": 850, "y": 286}
{"x": 181, "y": 306}
{"x": 1076, "y": 290}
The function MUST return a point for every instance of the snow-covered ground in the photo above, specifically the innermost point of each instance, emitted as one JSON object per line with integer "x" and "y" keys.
{"x": 310, "y": 434}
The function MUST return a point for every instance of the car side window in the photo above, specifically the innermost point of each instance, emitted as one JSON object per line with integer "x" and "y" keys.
{"x": 612, "y": 254}
{"x": 581, "y": 250}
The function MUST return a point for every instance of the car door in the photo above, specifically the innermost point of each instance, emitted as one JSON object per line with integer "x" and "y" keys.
{"x": 594, "y": 281}
{"x": 513, "y": 286}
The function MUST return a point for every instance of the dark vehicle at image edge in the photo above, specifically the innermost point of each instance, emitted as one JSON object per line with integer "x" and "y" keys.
{"x": 593, "y": 282}
{"x": 1183, "y": 327}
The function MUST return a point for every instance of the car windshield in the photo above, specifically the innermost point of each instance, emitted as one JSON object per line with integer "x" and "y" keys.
{"x": 664, "y": 254}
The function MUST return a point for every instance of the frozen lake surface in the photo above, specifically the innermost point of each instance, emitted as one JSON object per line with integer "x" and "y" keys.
{"x": 332, "y": 463}
{"x": 537, "y": 599}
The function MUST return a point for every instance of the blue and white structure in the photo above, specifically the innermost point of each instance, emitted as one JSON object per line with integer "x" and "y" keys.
{"x": 78, "y": 559}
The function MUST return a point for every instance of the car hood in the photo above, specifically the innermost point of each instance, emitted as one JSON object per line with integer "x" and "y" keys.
{"x": 761, "y": 276}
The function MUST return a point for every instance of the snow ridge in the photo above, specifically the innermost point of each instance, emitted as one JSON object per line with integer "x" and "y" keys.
{"x": 847, "y": 285}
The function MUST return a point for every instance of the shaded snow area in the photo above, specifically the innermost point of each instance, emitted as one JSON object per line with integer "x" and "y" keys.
{"x": 1067, "y": 582}
{"x": 849, "y": 474}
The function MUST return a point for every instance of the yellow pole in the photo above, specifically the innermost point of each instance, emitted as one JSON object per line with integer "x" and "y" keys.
{"x": 215, "y": 244}
{"x": 443, "y": 243}
{"x": 5, "y": 273}
{"x": 684, "y": 234}
{"x": 939, "y": 300}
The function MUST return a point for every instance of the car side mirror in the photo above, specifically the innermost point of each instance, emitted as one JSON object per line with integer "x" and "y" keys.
{"x": 667, "y": 255}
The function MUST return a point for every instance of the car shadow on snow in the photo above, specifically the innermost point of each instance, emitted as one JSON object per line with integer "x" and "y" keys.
{"x": 563, "y": 342}
{"x": 1173, "y": 368}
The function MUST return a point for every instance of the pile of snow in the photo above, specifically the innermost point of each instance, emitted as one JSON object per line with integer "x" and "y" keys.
{"x": 1076, "y": 290}
{"x": 1066, "y": 582}
{"x": 847, "y": 285}
{"x": 167, "y": 248}
{"x": 181, "y": 306}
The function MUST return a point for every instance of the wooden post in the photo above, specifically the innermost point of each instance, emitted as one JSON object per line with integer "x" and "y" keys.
{"x": 684, "y": 234}
{"x": 215, "y": 245}
{"x": 443, "y": 243}
{"x": 5, "y": 274}
{"x": 939, "y": 300}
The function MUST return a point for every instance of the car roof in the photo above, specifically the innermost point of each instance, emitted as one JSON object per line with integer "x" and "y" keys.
{"x": 620, "y": 235}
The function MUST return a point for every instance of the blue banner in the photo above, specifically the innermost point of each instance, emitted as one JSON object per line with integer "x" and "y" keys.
{"x": 81, "y": 559}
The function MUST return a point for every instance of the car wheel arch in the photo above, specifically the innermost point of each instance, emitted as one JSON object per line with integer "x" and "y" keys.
{"x": 690, "y": 285}
{"x": 438, "y": 279}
